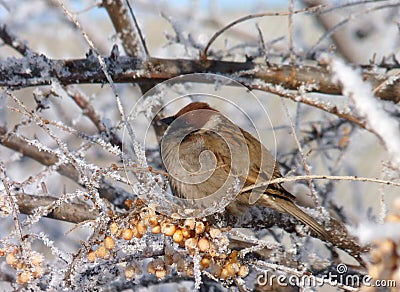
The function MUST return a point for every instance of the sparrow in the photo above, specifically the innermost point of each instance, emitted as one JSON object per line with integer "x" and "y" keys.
{"x": 205, "y": 153}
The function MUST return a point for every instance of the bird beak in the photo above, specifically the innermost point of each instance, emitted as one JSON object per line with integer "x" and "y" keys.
{"x": 168, "y": 120}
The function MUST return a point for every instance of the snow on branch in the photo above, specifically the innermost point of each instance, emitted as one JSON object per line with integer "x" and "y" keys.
{"x": 353, "y": 86}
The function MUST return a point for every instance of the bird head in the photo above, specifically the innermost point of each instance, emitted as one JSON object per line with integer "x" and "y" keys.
{"x": 194, "y": 115}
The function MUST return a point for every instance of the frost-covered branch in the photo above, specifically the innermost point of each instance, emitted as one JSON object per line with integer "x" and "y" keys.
{"x": 386, "y": 127}
{"x": 126, "y": 27}
{"x": 20, "y": 145}
{"x": 26, "y": 72}
{"x": 70, "y": 212}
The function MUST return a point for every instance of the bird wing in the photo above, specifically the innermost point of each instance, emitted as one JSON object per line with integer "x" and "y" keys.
{"x": 263, "y": 168}
{"x": 246, "y": 158}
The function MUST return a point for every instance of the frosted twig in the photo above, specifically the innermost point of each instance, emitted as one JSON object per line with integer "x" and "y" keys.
{"x": 15, "y": 210}
{"x": 278, "y": 90}
{"x": 252, "y": 16}
{"x": 290, "y": 27}
{"x": 353, "y": 16}
{"x": 328, "y": 177}
{"x": 303, "y": 158}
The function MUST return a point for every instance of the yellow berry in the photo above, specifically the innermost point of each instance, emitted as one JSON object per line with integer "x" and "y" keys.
{"x": 191, "y": 243}
{"x": 203, "y": 244}
{"x": 160, "y": 274}
{"x": 36, "y": 259}
{"x": 189, "y": 224}
{"x": 91, "y": 256}
{"x": 24, "y": 277}
{"x": 127, "y": 234}
{"x": 11, "y": 260}
{"x": 150, "y": 268}
{"x": 156, "y": 229}
{"x": 178, "y": 236}
{"x": 141, "y": 227}
{"x": 130, "y": 272}
{"x": 109, "y": 242}
{"x": 102, "y": 252}
{"x": 243, "y": 271}
{"x": 200, "y": 228}
{"x": 168, "y": 229}
{"x": 205, "y": 262}
{"x": 113, "y": 228}
{"x": 214, "y": 232}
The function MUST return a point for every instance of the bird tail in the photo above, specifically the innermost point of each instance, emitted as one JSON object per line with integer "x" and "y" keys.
{"x": 279, "y": 199}
{"x": 290, "y": 208}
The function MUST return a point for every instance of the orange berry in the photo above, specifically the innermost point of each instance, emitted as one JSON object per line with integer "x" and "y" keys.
{"x": 153, "y": 220}
{"x": 168, "y": 259}
{"x": 36, "y": 259}
{"x": 187, "y": 233}
{"x": 224, "y": 274}
{"x": 37, "y": 272}
{"x": 180, "y": 265}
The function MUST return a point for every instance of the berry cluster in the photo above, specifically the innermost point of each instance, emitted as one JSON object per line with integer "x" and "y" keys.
{"x": 189, "y": 239}
{"x": 28, "y": 267}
